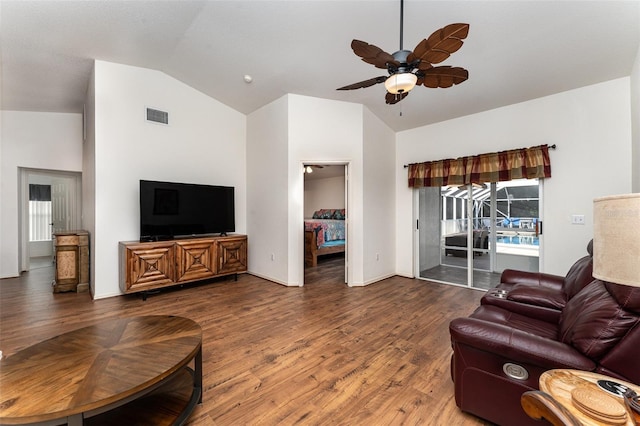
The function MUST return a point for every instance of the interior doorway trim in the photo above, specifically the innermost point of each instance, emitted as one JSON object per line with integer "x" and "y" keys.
{"x": 348, "y": 202}
{"x": 75, "y": 220}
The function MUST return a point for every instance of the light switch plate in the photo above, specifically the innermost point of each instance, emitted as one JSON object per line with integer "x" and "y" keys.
{"x": 577, "y": 219}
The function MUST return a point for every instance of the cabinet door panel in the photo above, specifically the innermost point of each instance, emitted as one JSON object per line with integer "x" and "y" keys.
{"x": 150, "y": 267}
{"x": 67, "y": 265}
{"x": 195, "y": 260}
{"x": 232, "y": 256}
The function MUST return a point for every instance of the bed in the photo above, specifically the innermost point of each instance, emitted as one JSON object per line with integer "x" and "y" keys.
{"x": 324, "y": 234}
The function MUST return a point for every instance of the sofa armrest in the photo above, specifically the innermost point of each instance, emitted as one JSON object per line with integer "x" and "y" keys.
{"x": 543, "y": 313}
{"x": 539, "y": 296}
{"x": 512, "y": 276}
{"x": 517, "y": 345}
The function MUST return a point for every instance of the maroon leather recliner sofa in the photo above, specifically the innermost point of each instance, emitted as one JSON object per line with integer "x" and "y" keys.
{"x": 498, "y": 354}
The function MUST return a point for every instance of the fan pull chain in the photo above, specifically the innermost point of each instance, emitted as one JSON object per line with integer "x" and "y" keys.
{"x": 398, "y": 99}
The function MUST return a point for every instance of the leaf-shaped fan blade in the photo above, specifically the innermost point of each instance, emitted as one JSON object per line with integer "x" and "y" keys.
{"x": 372, "y": 54}
{"x": 442, "y": 43}
{"x": 443, "y": 76}
{"x": 424, "y": 65}
{"x": 365, "y": 83}
{"x": 391, "y": 99}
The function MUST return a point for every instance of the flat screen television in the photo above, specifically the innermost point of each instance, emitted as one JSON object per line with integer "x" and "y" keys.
{"x": 171, "y": 210}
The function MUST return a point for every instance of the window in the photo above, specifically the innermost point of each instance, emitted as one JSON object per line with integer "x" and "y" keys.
{"x": 40, "y": 212}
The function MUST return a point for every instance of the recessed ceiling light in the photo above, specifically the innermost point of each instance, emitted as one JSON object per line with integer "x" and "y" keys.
{"x": 248, "y": 78}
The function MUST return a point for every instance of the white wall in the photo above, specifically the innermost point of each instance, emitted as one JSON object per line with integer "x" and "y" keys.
{"x": 267, "y": 191}
{"x": 89, "y": 175}
{"x": 204, "y": 143}
{"x": 635, "y": 122}
{"x": 591, "y": 127}
{"x": 326, "y": 193}
{"x": 38, "y": 140}
{"x": 378, "y": 195}
{"x": 328, "y": 132}
{"x": 4, "y": 259}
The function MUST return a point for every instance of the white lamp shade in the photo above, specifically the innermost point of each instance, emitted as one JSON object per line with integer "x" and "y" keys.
{"x": 616, "y": 239}
{"x": 400, "y": 83}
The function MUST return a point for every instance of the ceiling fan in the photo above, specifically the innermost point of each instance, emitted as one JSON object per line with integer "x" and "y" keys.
{"x": 410, "y": 68}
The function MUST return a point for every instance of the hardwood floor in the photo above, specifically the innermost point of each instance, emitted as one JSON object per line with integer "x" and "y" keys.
{"x": 324, "y": 353}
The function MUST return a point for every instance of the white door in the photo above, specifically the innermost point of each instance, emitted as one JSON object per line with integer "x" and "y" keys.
{"x": 59, "y": 207}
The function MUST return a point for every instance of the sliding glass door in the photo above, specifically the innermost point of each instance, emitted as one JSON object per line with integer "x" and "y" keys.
{"x": 467, "y": 235}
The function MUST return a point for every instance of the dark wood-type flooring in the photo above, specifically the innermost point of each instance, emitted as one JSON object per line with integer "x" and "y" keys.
{"x": 319, "y": 354}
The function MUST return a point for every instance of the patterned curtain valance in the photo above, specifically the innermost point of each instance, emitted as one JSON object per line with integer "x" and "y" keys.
{"x": 524, "y": 163}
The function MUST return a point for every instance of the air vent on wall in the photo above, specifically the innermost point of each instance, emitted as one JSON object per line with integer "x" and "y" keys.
{"x": 157, "y": 116}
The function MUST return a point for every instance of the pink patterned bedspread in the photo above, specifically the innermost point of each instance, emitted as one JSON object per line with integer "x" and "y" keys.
{"x": 328, "y": 229}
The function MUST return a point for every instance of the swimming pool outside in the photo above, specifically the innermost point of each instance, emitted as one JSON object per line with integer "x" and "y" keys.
{"x": 518, "y": 240}
{"x": 521, "y": 245}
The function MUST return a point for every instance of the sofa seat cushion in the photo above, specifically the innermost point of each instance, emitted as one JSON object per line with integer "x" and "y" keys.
{"x": 496, "y": 315}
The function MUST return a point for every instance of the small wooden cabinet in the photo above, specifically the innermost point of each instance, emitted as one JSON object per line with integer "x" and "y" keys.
{"x": 146, "y": 266}
{"x": 72, "y": 261}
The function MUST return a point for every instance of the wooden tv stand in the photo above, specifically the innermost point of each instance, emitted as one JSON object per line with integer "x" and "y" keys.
{"x": 149, "y": 266}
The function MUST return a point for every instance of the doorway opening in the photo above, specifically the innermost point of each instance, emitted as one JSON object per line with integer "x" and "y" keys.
{"x": 325, "y": 215}
{"x": 50, "y": 202}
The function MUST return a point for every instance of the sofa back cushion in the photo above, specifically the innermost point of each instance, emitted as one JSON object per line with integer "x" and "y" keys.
{"x": 626, "y": 296}
{"x": 580, "y": 274}
{"x": 596, "y": 318}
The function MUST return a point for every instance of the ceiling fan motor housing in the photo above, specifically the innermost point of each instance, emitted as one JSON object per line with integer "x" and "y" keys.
{"x": 401, "y": 57}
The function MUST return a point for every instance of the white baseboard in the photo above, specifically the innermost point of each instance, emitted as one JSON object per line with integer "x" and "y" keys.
{"x": 274, "y": 280}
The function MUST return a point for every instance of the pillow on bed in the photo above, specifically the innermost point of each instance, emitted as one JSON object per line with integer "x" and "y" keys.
{"x": 339, "y": 214}
{"x": 323, "y": 214}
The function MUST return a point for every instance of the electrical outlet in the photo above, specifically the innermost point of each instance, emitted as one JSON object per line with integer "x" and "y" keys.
{"x": 577, "y": 219}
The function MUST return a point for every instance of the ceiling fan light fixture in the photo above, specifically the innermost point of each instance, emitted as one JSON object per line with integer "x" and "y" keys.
{"x": 400, "y": 82}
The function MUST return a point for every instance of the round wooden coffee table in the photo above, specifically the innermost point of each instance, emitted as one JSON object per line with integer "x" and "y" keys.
{"x": 109, "y": 373}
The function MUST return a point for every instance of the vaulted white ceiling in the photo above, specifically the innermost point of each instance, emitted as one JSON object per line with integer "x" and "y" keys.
{"x": 515, "y": 51}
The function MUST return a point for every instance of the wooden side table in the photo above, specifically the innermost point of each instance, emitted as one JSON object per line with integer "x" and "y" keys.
{"x": 72, "y": 261}
{"x": 559, "y": 384}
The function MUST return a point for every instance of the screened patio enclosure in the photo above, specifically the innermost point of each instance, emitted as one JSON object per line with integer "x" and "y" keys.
{"x": 468, "y": 235}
